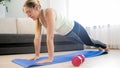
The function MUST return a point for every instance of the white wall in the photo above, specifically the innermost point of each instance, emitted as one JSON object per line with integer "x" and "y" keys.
{"x": 15, "y": 8}
{"x": 45, "y": 3}
{"x": 61, "y": 6}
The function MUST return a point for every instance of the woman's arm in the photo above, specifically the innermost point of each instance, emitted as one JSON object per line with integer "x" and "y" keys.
{"x": 50, "y": 19}
{"x": 37, "y": 39}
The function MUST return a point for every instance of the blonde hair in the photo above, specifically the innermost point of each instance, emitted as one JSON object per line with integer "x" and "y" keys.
{"x": 32, "y": 3}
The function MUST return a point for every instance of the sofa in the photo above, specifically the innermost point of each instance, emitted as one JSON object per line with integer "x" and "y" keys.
{"x": 17, "y": 34}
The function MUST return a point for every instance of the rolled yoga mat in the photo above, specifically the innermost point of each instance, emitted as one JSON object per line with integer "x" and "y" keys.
{"x": 58, "y": 58}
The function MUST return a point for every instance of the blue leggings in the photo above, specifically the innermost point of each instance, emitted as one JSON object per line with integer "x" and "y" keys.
{"x": 79, "y": 35}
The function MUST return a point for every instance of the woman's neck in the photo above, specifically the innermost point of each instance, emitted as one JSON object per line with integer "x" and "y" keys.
{"x": 40, "y": 13}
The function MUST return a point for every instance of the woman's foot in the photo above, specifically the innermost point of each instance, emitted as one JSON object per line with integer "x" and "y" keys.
{"x": 106, "y": 49}
{"x": 100, "y": 49}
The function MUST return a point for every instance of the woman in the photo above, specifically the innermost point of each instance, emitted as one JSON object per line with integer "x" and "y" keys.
{"x": 54, "y": 22}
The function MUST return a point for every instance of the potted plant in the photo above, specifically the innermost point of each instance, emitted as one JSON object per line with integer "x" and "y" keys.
{"x": 4, "y": 1}
{"x": 3, "y": 7}
{"x": 1, "y": 0}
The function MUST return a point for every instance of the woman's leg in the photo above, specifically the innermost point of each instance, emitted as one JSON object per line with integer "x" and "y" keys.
{"x": 80, "y": 34}
{"x": 99, "y": 43}
{"x": 74, "y": 37}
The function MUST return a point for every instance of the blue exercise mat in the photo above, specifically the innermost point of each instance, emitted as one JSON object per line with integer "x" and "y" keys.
{"x": 58, "y": 59}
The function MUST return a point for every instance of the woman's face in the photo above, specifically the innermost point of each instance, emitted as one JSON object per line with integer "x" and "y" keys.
{"x": 32, "y": 12}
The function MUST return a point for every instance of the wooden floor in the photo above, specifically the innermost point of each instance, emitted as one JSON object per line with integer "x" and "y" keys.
{"x": 111, "y": 60}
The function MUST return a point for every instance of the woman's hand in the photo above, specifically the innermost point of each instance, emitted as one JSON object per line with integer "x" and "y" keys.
{"x": 44, "y": 61}
{"x": 41, "y": 62}
{"x": 34, "y": 58}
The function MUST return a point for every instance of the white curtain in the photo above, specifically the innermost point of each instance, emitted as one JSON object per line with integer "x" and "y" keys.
{"x": 108, "y": 34}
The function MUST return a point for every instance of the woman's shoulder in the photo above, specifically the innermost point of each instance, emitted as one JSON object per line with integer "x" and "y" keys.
{"x": 49, "y": 10}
